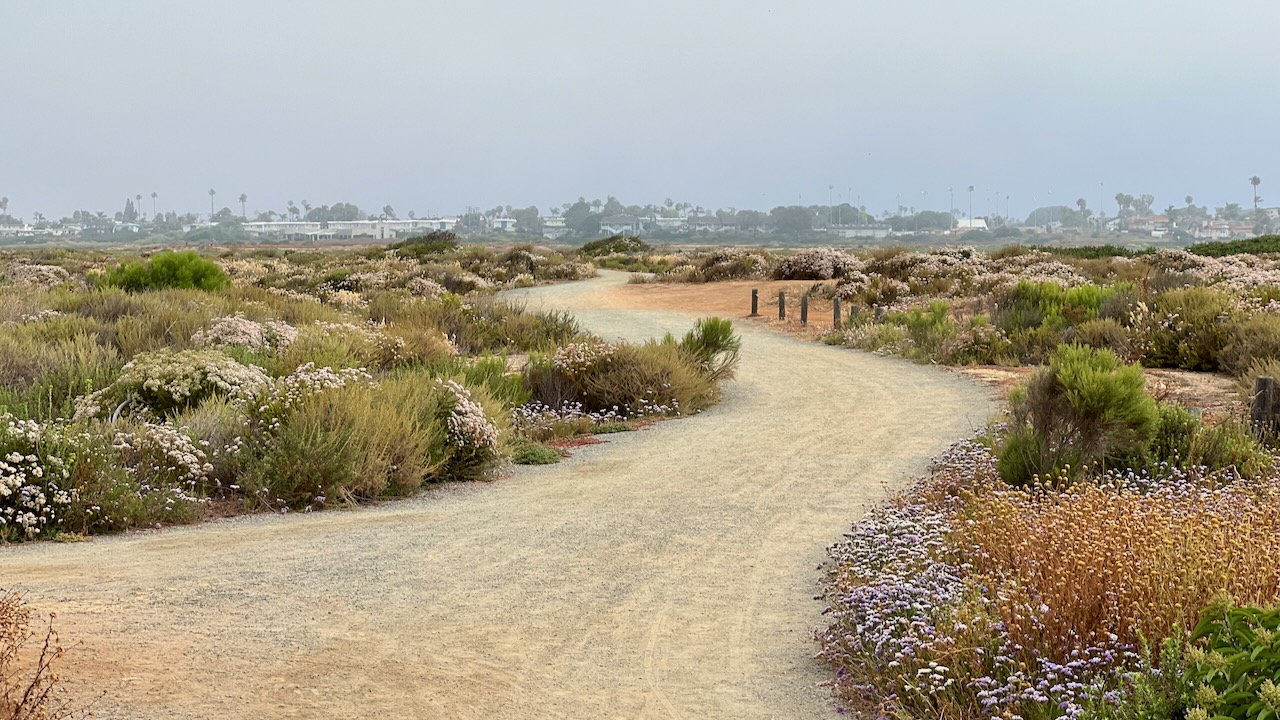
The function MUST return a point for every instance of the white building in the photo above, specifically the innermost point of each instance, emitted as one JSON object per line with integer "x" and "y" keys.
{"x": 621, "y": 225}
{"x": 347, "y": 229}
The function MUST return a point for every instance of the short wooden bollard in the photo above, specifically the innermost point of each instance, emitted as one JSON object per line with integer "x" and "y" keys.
{"x": 782, "y": 305}
{"x": 804, "y": 309}
{"x": 755, "y": 303}
{"x": 1262, "y": 412}
{"x": 835, "y": 314}
{"x": 879, "y": 313}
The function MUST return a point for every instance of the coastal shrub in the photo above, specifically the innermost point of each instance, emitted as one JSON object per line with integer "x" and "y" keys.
{"x": 528, "y": 452}
{"x": 1251, "y": 340}
{"x": 165, "y": 381}
{"x": 1105, "y": 333}
{"x": 653, "y": 378}
{"x": 1085, "y": 407}
{"x": 614, "y": 245}
{"x": 1187, "y": 328}
{"x": 816, "y": 264}
{"x": 30, "y": 687}
{"x": 713, "y": 346}
{"x": 1233, "y": 663}
{"x": 168, "y": 269}
{"x": 436, "y": 242}
{"x": 40, "y": 379}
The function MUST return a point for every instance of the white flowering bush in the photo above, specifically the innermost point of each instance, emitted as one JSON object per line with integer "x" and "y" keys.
{"x": 425, "y": 287}
{"x": 469, "y": 427}
{"x": 817, "y": 264}
{"x": 166, "y": 380}
{"x": 239, "y": 331}
{"x": 163, "y": 457}
{"x": 33, "y": 489}
{"x": 37, "y": 276}
{"x": 577, "y": 359}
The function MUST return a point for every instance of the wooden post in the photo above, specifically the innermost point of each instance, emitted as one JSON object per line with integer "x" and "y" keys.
{"x": 879, "y": 314}
{"x": 782, "y": 305}
{"x": 835, "y": 313}
{"x": 1262, "y": 413}
{"x": 804, "y": 309}
{"x": 755, "y": 302}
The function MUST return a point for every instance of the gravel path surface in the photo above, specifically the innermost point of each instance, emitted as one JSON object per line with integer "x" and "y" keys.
{"x": 668, "y": 573}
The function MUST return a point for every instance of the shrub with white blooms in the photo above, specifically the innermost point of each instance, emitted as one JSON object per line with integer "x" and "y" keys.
{"x": 31, "y": 492}
{"x": 165, "y": 380}
{"x": 239, "y": 331}
{"x": 469, "y": 427}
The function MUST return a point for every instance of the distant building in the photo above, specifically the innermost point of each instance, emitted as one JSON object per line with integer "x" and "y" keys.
{"x": 873, "y": 232}
{"x": 553, "y": 227}
{"x": 964, "y": 225}
{"x": 346, "y": 229}
{"x": 621, "y": 225}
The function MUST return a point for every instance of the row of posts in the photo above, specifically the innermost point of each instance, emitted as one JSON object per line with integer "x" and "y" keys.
{"x": 836, "y": 319}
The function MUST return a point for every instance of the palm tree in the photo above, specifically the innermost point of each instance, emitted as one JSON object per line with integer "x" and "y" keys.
{"x": 4, "y": 206}
{"x": 212, "y": 192}
{"x": 138, "y": 206}
{"x": 153, "y": 204}
{"x": 243, "y": 199}
{"x": 1190, "y": 200}
{"x": 293, "y": 210}
{"x": 970, "y": 207}
{"x": 1255, "y": 181}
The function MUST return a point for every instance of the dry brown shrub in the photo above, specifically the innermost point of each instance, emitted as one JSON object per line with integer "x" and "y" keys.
{"x": 1096, "y": 560}
{"x": 30, "y": 688}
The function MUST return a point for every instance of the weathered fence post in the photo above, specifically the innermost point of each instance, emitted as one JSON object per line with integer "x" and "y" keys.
{"x": 804, "y": 309}
{"x": 879, "y": 313}
{"x": 835, "y": 313}
{"x": 854, "y": 313}
{"x": 782, "y": 305}
{"x": 755, "y": 302}
{"x": 1262, "y": 413}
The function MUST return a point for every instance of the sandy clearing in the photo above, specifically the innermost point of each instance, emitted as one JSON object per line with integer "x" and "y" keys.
{"x": 667, "y": 573}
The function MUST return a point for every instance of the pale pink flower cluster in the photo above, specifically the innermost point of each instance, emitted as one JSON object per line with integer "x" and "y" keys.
{"x": 33, "y": 275}
{"x": 468, "y": 425}
{"x": 822, "y": 263}
{"x": 239, "y": 331}
{"x": 420, "y": 286}
{"x": 162, "y": 452}
{"x": 579, "y": 357}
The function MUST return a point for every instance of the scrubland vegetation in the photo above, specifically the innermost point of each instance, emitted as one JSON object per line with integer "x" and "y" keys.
{"x": 136, "y": 391}
{"x": 1095, "y": 552}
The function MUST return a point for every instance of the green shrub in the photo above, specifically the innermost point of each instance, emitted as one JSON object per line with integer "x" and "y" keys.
{"x": 1034, "y": 304}
{"x": 608, "y": 428}
{"x": 713, "y": 346}
{"x": 527, "y": 452}
{"x": 1233, "y": 664}
{"x": 655, "y": 378}
{"x": 614, "y": 245}
{"x": 168, "y": 269}
{"x": 1105, "y": 334}
{"x": 1085, "y": 408}
{"x": 1249, "y": 246}
{"x": 1187, "y": 328}
{"x": 436, "y": 242}
{"x": 1251, "y": 340}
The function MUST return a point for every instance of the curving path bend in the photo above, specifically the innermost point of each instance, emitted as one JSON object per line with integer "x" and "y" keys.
{"x": 666, "y": 574}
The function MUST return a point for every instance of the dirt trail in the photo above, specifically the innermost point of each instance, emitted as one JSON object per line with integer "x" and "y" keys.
{"x": 668, "y": 573}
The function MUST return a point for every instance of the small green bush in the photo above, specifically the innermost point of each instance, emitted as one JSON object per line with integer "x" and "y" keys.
{"x": 168, "y": 269}
{"x": 436, "y": 242}
{"x": 1233, "y": 664}
{"x": 1188, "y": 328}
{"x": 1250, "y": 246}
{"x": 1085, "y": 408}
{"x": 614, "y": 245}
{"x": 527, "y": 452}
{"x": 1253, "y": 339}
{"x": 608, "y": 428}
{"x": 1105, "y": 334}
{"x": 713, "y": 346}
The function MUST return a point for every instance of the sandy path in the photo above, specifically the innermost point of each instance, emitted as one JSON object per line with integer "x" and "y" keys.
{"x": 666, "y": 574}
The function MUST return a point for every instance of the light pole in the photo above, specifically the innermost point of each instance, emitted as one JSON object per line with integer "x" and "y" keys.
{"x": 1101, "y": 213}
{"x": 924, "y": 205}
{"x": 951, "y": 208}
{"x": 831, "y": 190}
{"x": 970, "y": 207}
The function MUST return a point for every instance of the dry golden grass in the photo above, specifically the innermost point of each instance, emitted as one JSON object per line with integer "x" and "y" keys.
{"x": 1095, "y": 560}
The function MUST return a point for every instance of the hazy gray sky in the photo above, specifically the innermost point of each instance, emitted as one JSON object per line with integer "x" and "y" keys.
{"x": 432, "y": 106}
